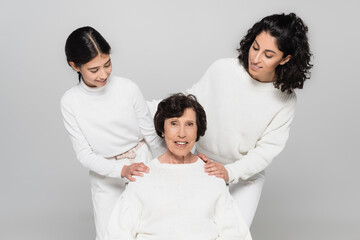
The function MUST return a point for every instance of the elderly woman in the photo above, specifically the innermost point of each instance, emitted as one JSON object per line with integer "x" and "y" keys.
{"x": 177, "y": 199}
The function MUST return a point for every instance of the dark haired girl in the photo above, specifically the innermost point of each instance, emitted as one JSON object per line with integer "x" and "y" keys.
{"x": 250, "y": 103}
{"x": 108, "y": 122}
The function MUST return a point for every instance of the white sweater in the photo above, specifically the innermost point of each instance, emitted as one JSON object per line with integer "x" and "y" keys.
{"x": 248, "y": 121}
{"x": 177, "y": 202}
{"x": 107, "y": 121}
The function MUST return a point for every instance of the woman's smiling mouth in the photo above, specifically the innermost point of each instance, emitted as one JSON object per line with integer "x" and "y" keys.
{"x": 254, "y": 67}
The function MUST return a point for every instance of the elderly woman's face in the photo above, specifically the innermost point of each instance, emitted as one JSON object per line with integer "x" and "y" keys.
{"x": 180, "y": 133}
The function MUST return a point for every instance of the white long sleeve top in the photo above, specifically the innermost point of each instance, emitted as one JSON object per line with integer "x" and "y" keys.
{"x": 177, "y": 202}
{"x": 107, "y": 121}
{"x": 248, "y": 121}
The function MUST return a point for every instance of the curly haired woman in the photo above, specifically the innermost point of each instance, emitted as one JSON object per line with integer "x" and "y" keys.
{"x": 250, "y": 103}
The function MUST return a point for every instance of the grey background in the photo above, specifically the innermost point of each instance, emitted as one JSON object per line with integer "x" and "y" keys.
{"x": 311, "y": 191}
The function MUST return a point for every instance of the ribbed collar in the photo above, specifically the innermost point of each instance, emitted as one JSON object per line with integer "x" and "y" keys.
{"x": 170, "y": 165}
{"x": 93, "y": 90}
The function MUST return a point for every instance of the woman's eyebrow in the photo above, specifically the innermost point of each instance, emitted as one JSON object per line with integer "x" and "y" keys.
{"x": 266, "y": 50}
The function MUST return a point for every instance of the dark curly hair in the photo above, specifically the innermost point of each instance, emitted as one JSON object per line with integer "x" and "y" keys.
{"x": 174, "y": 106}
{"x": 291, "y": 39}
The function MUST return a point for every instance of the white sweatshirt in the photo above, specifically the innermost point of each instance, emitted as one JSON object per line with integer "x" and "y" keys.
{"x": 107, "y": 121}
{"x": 248, "y": 121}
{"x": 177, "y": 202}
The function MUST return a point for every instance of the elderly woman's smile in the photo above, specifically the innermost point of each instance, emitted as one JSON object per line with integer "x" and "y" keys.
{"x": 180, "y": 134}
{"x": 181, "y": 143}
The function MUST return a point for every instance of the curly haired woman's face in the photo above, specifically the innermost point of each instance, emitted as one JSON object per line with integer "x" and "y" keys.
{"x": 264, "y": 57}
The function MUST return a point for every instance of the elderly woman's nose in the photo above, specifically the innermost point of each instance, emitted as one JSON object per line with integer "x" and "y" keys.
{"x": 182, "y": 132}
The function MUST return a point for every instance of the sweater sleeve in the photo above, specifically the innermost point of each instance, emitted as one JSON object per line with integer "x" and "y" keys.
{"x": 268, "y": 146}
{"x": 124, "y": 220}
{"x": 152, "y": 105}
{"x": 202, "y": 88}
{"x": 207, "y": 88}
{"x": 84, "y": 153}
{"x": 229, "y": 221}
{"x": 146, "y": 124}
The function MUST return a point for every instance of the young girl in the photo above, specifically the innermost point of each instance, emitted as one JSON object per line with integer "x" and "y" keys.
{"x": 250, "y": 105}
{"x": 108, "y": 121}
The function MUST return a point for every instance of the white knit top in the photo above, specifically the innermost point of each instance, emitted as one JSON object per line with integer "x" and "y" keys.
{"x": 177, "y": 202}
{"x": 248, "y": 121}
{"x": 107, "y": 121}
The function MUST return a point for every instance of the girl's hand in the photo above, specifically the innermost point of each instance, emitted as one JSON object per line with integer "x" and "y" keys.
{"x": 135, "y": 169}
{"x": 217, "y": 169}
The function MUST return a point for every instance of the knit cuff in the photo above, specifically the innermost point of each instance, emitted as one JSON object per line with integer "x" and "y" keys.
{"x": 118, "y": 167}
{"x": 232, "y": 178}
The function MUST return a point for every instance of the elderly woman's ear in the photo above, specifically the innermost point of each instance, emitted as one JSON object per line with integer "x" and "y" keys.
{"x": 162, "y": 134}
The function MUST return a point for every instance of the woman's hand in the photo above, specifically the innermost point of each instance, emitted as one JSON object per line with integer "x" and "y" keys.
{"x": 214, "y": 168}
{"x": 217, "y": 169}
{"x": 203, "y": 157}
{"x": 135, "y": 169}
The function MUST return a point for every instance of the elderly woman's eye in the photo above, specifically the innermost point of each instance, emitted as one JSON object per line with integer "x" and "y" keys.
{"x": 173, "y": 123}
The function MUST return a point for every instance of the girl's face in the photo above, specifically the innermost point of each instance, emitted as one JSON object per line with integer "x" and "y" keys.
{"x": 96, "y": 72}
{"x": 264, "y": 57}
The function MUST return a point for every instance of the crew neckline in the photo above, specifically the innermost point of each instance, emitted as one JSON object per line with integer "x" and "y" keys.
{"x": 93, "y": 90}
{"x": 174, "y": 165}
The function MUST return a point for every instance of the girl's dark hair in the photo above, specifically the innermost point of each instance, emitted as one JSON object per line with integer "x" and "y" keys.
{"x": 290, "y": 34}
{"x": 174, "y": 106}
{"x": 83, "y": 45}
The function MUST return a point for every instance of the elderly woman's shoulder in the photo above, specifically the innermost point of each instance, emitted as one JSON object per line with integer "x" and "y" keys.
{"x": 210, "y": 179}
{"x": 153, "y": 165}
